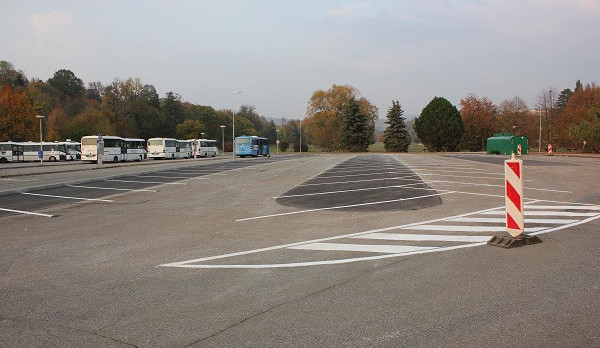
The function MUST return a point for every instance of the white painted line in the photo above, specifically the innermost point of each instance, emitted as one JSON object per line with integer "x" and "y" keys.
{"x": 501, "y": 220}
{"x": 488, "y": 185}
{"x": 565, "y": 207}
{"x": 163, "y": 176}
{"x": 567, "y": 226}
{"x": 342, "y": 207}
{"x": 424, "y": 237}
{"x": 110, "y": 188}
{"x": 148, "y": 182}
{"x": 387, "y": 249}
{"x": 355, "y": 190}
{"x": 200, "y": 178}
{"x": 26, "y": 212}
{"x": 365, "y": 180}
{"x": 67, "y": 197}
{"x": 545, "y": 213}
{"x": 319, "y": 263}
{"x": 460, "y": 228}
{"x": 186, "y": 264}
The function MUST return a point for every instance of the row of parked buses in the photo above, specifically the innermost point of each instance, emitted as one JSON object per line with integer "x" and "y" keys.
{"x": 117, "y": 149}
{"x": 11, "y": 151}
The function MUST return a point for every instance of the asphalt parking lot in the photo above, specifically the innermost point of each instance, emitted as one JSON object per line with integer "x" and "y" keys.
{"x": 326, "y": 250}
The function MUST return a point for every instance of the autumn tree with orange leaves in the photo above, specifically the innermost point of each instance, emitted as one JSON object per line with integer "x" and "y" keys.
{"x": 17, "y": 116}
{"x": 478, "y": 115}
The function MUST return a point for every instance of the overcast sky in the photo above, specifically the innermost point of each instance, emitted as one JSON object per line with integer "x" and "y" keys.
{"x": 278, "y": 52}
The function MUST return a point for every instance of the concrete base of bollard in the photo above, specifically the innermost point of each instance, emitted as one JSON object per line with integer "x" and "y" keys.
{"x": 513, "y": 242}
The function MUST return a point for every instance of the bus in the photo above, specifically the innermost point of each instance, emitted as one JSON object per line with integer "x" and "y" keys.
{"x": 53, "y": 151}
{"x": 206, "y": 147}
{"x": 251, "y": 146}
{"x": 116, "y": 149}
{"x": 73, "y": 150}
{"x": 135, "y": 149}
{"x": 159, "y": 148}
{"x": 11, "y": 152}
{"x": 184, "y": 149}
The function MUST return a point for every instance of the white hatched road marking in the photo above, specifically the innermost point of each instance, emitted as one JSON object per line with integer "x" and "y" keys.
{"x": 369, "y": 248}
{"x": 396, "y": 250}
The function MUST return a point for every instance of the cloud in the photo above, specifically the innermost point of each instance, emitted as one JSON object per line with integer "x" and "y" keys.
{"x": 55, "y": 27}
{"x": 358, "y": 10}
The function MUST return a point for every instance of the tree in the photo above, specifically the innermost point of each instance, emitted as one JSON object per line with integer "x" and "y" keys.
{"x": 16, "y": 79}
{"x": 583, "y": 106}
{"x": 66, "y": 82}
{"x": 563, "y": 99}
{"x": 439, "y": 127}
{"x": 478, "y": 116}
{"x": 395, "y": 136}
{"x": 545, "y": 105}
{"x": 356, "y": 133}
{"x": 324, "y": 122}
{"x": 190, "y": 129}
{"x": 17, "y": 116}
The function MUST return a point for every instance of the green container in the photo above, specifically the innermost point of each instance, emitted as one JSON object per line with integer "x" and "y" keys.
{"x": 506, "y": 144}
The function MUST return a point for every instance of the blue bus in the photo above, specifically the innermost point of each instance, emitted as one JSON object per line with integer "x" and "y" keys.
{"x": 251, "y": 146}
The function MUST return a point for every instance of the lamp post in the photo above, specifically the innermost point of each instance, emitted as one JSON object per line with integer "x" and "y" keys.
{"x": 233, "y": 123}
{"x": 202, "y": 135}
{"x": 277, "y": 142}
{"x": 540, "y": 138}
{"x": 41, "y": 154}
{"x": 223, "y": 139}
{"x": 300, "y": 136}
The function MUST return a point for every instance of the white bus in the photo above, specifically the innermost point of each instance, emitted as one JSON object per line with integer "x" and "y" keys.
{"x": 73, "y": 150}
{"x": 11, "y": 152}
{"x": 206, "y": 147}
{"x": 159, "y": 148}
{"x": 53, "y": 151}
{"x": 135, "y": 149}
{"x": 184, "y": 149}
{"x": 116, "y": 149}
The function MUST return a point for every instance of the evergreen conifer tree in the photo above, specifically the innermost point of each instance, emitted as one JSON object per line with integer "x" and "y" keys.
{"x": 396, "y": 137}
{"x": 440, "y": 126}
{"x": 356, "y": 132}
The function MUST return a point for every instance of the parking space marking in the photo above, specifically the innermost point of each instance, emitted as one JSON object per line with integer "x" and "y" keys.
{"x": 147, "y": 182}
{"x": 343, "y": 206}
{"x": 502, "y": 220}
{"x": 356, "y": 190}
{"x": 26, "y": 212}
{"x": 111, "y": 188}
{"x": 67, "y": 197}
{"x": 462, "y": 228}
{"x": 163, "y": 176}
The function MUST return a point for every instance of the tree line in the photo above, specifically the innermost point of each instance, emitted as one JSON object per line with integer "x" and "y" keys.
{"x": 337, "y": 119}
{"x": 127, "y": 108}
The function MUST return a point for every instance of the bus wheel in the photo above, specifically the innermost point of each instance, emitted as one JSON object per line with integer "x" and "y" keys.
{"x": 52, "y": 159}
{"x": 3, "y": 160}
{"x": 115, "y": 159}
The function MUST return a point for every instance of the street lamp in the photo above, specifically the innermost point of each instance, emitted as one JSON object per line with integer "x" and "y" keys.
{"x": 41, "y": 154}
{"x": 223, "y": 139}
{"x": 300, "y": 136}
{"x": 202, "y": 135}
{"x": 233, "y": 122}
{"x": 277, "y": 142}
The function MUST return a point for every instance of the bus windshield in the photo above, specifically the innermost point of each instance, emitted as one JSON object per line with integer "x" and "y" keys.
{"x": 89, "y": 141}
{"x": 155, "y": 142}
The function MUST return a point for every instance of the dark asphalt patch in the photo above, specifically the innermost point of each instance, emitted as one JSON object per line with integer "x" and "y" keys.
{"x": 363, "y": 183}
